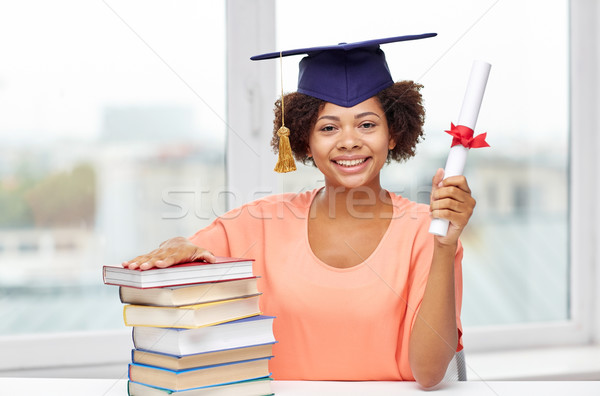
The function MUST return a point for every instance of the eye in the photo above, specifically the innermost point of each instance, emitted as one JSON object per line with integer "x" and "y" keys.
{"x": 368, "y": 125}
{"x": 327, "y": 129}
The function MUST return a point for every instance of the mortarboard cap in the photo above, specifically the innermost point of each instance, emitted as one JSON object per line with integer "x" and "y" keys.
{"x": 344, "y": 74}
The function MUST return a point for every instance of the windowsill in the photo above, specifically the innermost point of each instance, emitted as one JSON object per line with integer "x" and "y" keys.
{"x": 48, "y": 351}
{"x": 106, "y": 354}
{"x": 560, "y": 363}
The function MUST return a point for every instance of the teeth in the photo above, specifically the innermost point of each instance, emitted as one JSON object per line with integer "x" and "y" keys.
{"x": 351, "y": 162}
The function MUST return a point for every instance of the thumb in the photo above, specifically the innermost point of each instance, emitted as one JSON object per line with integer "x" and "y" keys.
{"x": 437, "y": 178}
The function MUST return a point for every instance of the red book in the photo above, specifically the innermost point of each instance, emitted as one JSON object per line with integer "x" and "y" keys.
{"x": 225, "y": 268}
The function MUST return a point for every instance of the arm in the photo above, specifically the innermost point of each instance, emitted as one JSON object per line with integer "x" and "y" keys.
{"x": 434, "y": 337}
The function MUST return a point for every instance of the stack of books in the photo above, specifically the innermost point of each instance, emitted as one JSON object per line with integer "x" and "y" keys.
{"x": 197, "y": 329}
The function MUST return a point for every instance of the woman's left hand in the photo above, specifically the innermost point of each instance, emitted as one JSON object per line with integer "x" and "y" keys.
{"x": 451, "y": 200}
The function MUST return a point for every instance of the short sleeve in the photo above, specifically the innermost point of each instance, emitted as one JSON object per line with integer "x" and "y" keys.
{"x": 213, "y": 238}
{"x": 237, "y": 233}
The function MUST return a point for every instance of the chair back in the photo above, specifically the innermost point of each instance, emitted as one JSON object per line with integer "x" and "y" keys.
{"x": 457, "y": 369}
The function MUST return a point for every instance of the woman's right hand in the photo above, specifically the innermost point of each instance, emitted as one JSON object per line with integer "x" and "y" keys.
{"x": 173, "y": 251}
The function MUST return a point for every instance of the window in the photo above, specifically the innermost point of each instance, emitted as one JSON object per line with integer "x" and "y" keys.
{"x": 516, "y": 264}
{"x": 112, "y": 127}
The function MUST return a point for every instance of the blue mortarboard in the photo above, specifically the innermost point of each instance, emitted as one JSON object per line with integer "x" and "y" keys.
{"x": 344, "y": 74}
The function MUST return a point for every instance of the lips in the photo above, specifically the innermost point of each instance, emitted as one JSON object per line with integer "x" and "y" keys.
{"x": 350, "y": 162}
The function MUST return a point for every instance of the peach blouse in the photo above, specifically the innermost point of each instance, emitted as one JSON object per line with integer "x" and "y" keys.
{"x": 332, "y": 323}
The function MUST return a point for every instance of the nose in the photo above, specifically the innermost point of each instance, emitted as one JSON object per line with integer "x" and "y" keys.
{"x": 349, "y": 139}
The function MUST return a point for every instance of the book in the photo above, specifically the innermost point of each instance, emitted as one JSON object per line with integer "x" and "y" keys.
{"x": 256, "y": 387}
{"x": 175, "y": 296}
{"x": 218, "y": 374}
{"x": 236, "y": 334}
{"x": 191, "y": 316}
{"x": 185, "y": 362}
{"x": 180, "y": 274}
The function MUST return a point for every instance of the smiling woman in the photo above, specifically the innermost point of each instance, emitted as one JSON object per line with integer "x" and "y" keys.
{"x": 381, "y": 264}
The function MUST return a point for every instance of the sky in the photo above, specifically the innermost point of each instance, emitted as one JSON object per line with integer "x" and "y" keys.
{"x": 67, "y": 60}
{"x": 63, "y": 62}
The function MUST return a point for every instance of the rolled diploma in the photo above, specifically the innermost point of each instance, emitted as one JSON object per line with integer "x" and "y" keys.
{"x": 455, "y": 164}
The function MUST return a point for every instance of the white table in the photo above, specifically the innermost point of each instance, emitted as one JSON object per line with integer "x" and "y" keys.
{"x": 108, "y": 387}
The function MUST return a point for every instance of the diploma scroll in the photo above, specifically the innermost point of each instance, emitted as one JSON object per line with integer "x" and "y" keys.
{"x": 463, "y": 132}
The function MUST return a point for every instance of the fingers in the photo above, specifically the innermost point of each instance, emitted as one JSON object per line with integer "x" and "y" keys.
{"x": 457, "y": 216}
{"x": 203, "y": 254}
{"x": 451, "y": 200}
{"x": 459, "y": 182}
{"x": 171, "y": 252}
{"x": 136, "y": 262}
{"x": 450, "y": 192}
{"x": 454, "y": 187}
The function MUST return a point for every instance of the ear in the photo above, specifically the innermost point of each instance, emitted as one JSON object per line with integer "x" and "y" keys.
{"x": 391, "y": 143}
{"x": 308, "y": 153}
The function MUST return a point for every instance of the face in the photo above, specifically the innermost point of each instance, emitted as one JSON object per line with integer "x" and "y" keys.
{"x": 350, "y": 144}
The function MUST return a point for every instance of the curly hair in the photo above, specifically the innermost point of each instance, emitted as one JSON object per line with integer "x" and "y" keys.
{"x": 401, "y": 102}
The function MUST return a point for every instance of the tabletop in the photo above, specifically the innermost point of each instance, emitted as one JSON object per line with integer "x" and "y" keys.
{"x": 118, "y": 387}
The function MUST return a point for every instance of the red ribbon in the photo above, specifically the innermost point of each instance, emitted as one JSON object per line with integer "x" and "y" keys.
{"x": 464, "y": 135}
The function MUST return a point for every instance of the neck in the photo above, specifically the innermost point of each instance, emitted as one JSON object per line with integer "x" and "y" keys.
{"x": 360, "y": 203}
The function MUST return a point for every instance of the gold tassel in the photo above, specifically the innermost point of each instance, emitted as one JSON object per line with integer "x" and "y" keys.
{"x": 285, "y": 161}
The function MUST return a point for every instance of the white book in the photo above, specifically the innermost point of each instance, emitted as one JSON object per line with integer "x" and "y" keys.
{"x": 236, "y": 334}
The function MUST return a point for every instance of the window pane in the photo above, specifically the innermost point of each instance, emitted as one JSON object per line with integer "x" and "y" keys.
{"x": 111, "y": 128}
{"x": 516, "y": 246}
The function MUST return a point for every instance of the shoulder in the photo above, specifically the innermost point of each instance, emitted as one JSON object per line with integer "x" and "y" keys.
{"x": 297, "y": 199}
{"x": 278, "y": 203}
{"x": 411, "y": 220}
{"x": 406, "y": 209}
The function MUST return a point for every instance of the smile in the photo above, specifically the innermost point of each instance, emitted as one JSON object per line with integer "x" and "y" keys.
{"x": 350, "y": 163}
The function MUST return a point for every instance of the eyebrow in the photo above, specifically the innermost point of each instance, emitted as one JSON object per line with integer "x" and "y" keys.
{"x": 356, "y": 117}
{"x": 366, "y": 113}
{"x": 329, "y": 117}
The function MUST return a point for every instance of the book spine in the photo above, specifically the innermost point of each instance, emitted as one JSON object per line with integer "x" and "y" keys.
{"x": 125, "y": 316}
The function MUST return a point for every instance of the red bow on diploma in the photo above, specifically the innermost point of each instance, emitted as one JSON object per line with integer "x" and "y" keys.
{"x": 464, "y": 135}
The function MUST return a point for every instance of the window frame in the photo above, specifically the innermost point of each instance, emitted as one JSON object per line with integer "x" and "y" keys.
{"x": 250, "y": 95}
{"x": 578, "y": 329}
{"x": 582, "y": 326}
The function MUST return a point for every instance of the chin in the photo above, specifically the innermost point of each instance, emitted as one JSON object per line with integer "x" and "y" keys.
{"x": 351, "y": 184}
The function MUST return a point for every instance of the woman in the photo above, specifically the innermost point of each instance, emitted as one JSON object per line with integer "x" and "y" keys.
{"x": 360, "y": 289}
